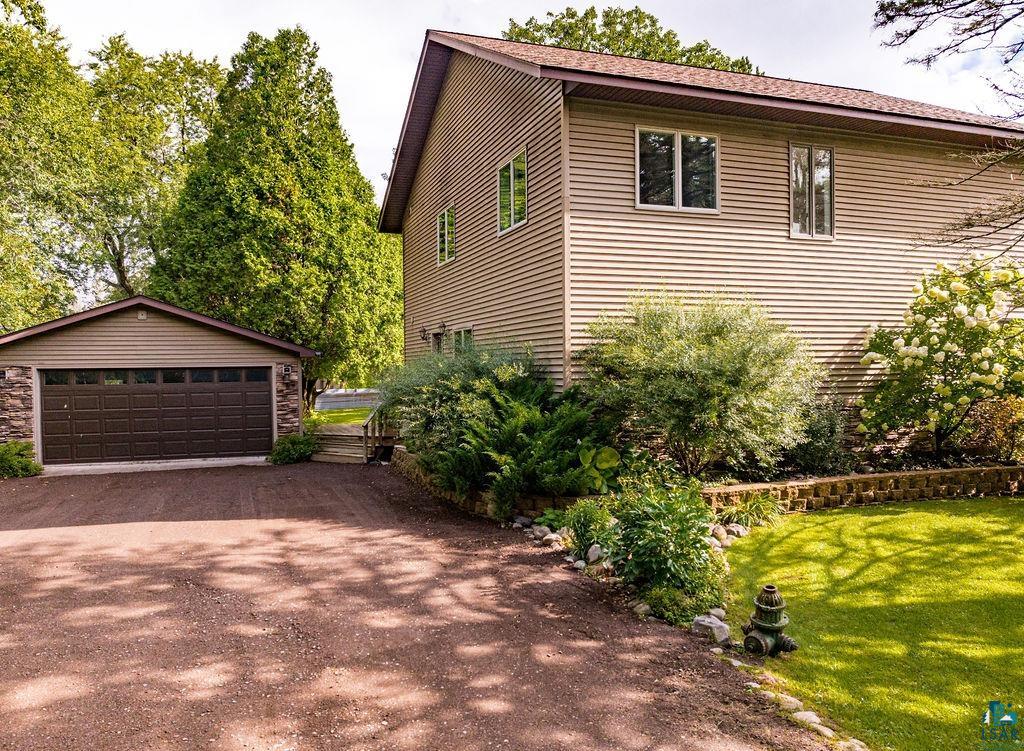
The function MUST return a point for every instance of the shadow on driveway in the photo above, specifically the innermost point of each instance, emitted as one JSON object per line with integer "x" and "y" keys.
{"x": 327, "y": 607}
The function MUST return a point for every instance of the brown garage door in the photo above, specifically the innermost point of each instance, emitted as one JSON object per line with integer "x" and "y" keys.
{"x": 137, "y": 414}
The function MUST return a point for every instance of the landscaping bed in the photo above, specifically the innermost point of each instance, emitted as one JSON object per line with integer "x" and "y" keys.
{"x": 908, "y": 619}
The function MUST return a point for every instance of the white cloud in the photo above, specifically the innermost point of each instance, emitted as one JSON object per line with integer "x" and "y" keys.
{"x": 372, "y": 48}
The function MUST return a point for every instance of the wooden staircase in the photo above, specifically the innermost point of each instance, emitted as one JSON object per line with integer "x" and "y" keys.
{"x": 354, "y": 443}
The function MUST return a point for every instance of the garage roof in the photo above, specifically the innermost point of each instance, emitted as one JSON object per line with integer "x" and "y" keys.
{"x": 141, "y": 301}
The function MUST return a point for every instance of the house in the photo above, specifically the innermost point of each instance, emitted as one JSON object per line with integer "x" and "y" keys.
{"x": 140, "y": 380}
{"x": 538, "y": 187}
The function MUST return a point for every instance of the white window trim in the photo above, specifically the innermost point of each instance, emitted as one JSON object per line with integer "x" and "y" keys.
{"x": 512, "y": 195}
{"x": 461, "y": 331}
{"x": 450, "y": 253}
{"x": 677, "y": 168}
{"x": 813, "y": 237}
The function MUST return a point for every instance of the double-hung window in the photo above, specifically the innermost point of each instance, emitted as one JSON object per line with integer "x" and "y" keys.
{"x": 462, "y": 340}
{"x": 512, "y": 192}
{"x": 446, "y": 235}
{"x": 676, "y": 170}
{"x": 812, "y": 213}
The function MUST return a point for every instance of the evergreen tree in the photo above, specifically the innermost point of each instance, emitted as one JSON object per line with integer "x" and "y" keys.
{"x": 275, "y": 226}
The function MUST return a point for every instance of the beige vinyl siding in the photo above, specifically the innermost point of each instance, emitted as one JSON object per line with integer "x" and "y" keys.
{"x": 830, "y": 291}
{"x": 507, "y": 288}
{"x": 120, "y": 339}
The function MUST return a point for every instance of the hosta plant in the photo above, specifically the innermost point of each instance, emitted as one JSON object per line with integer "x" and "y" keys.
{"x": 959, "y": 346}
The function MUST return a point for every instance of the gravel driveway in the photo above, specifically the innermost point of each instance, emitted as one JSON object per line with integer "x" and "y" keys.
{"x": 327, "y": 607}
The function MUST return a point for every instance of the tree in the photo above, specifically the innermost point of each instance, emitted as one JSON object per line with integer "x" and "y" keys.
{"x": 633, "y": 33}
{"x": 275, "y": 226}
{"x": 150, "y": 114}
{"x": 968, "y": 27}
{"x": 960, "y": 347}
{"x": 44, "y": 135}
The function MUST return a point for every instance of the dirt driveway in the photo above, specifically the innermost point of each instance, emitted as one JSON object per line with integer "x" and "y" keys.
{"x": 326, "y": 607}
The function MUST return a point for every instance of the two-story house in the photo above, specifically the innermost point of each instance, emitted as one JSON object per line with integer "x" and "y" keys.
{"x": 537, "y": 187}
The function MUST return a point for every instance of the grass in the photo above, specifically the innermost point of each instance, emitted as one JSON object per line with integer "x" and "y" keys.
{"x": 345, "y": 415}
{"x": 910, "y": 619}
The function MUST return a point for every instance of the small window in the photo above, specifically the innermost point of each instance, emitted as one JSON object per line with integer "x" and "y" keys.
{"x": 256, "y": 375}
{"x": 811, "y": 188}
{"x": 56, "y": 378}
{"x": 512, "y": 192}
{"x": 437, "y": 342}
{"x": 676, "y": 170}
{"x": 462, "y": 340}
{"x": 115, "y": 377}
{"x": 173, "y": 376}
{"x": 446, "y": 235}
{"x": 201, "y": 375}
{"x": 229, "y": 376}
{"x": 87, "y": 377}
{"x": 145, "y": 377}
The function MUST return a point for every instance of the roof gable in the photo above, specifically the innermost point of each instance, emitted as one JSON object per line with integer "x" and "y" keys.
{"x": 616, "y": 78}
{"x": 141, "y": 301}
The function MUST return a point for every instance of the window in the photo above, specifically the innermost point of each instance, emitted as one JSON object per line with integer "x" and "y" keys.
{"x": 201, "y": 375}
{"x": 229, "y": 376}
{"x": 256, "y": 375}
{"x": 512, "y": 192}
{"x": 87, "y": 377}
{"x": 173, "y": 376}
{"x": 446, "y": 235}
{"x": 462, "y": 339}
{"x": 145, "y": 376}
{"x": 811, "y": 186}
{"x": 115, "y": 377}
{"x": 676, "y": 170}
{"x": 56, "y": 378}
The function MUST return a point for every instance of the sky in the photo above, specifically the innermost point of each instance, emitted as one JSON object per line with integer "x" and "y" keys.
{"x": 371, "y": 46}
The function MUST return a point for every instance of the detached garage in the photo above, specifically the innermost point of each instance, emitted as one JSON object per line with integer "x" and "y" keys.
{"x": 142, "y": 380}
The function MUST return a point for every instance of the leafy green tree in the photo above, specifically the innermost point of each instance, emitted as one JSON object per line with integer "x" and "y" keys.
{"x": 150, "y": 115}
{"x": 275, "y": 226}
{"x": 633, "y": 33}
{"x": 45, "y": 132}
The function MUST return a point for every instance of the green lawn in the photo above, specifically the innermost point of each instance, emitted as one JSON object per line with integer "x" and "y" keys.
{"x": 910, "y": 618}
{"x": 345, "y": 415}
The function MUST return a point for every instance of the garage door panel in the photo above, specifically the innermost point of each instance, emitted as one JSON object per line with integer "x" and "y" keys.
{"x": 111, "y": 420}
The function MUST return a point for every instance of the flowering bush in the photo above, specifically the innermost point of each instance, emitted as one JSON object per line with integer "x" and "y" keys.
{"x": 958, "y": 347}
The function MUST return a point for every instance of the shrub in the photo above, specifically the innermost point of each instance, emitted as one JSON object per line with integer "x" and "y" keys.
{"x": 754, "y": 510}
{"x": 823, "y": 450}
{"x": 18, "y": 459}
{"x": 591, "y": 521}
{"x": 959, "y": 346}
{"x": 711, "y": 383}
{"x": 292, "y": 449}
{"x": 678, "y": 606}
{"x": 552, "y": 518}
{"x": 995, "y": 428}
{"x": 662, "y": 536}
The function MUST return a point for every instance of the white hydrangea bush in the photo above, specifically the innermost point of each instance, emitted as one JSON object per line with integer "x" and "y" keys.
{"x": 960, "y": 344}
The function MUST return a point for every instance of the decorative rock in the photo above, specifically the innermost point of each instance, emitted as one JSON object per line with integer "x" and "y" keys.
{"x": 770, "y": 696}
{"x": 562, "y": 532}
{"x": 717, "y": 651}
{"x": 738, "y": 663}
{"x": 516, "y": 525}
{"x": 825, "y": 731}
{"x": 718, "y": 613}
{"x": 570, "y": 559}
{"x": 551, "y": 539}
{"x": 809, "y": 717}
{"x": 728, "y": 541}
{"x": 789, "y": 703}
{"x": 736, "y": 530}
{"x": 642, "y": 609}
{"x": 579, "y": 565}
{"x": 523, "y": 521}
{"x": 594, "y": 553}
{"x": 719, "y": 532}
{"x": 852, "y": 744}
{"x": 540, "y": 532}
{"x": 713, "y": 542}
{"x": 712, "y": 627}
{"x": 754, "y": 685}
